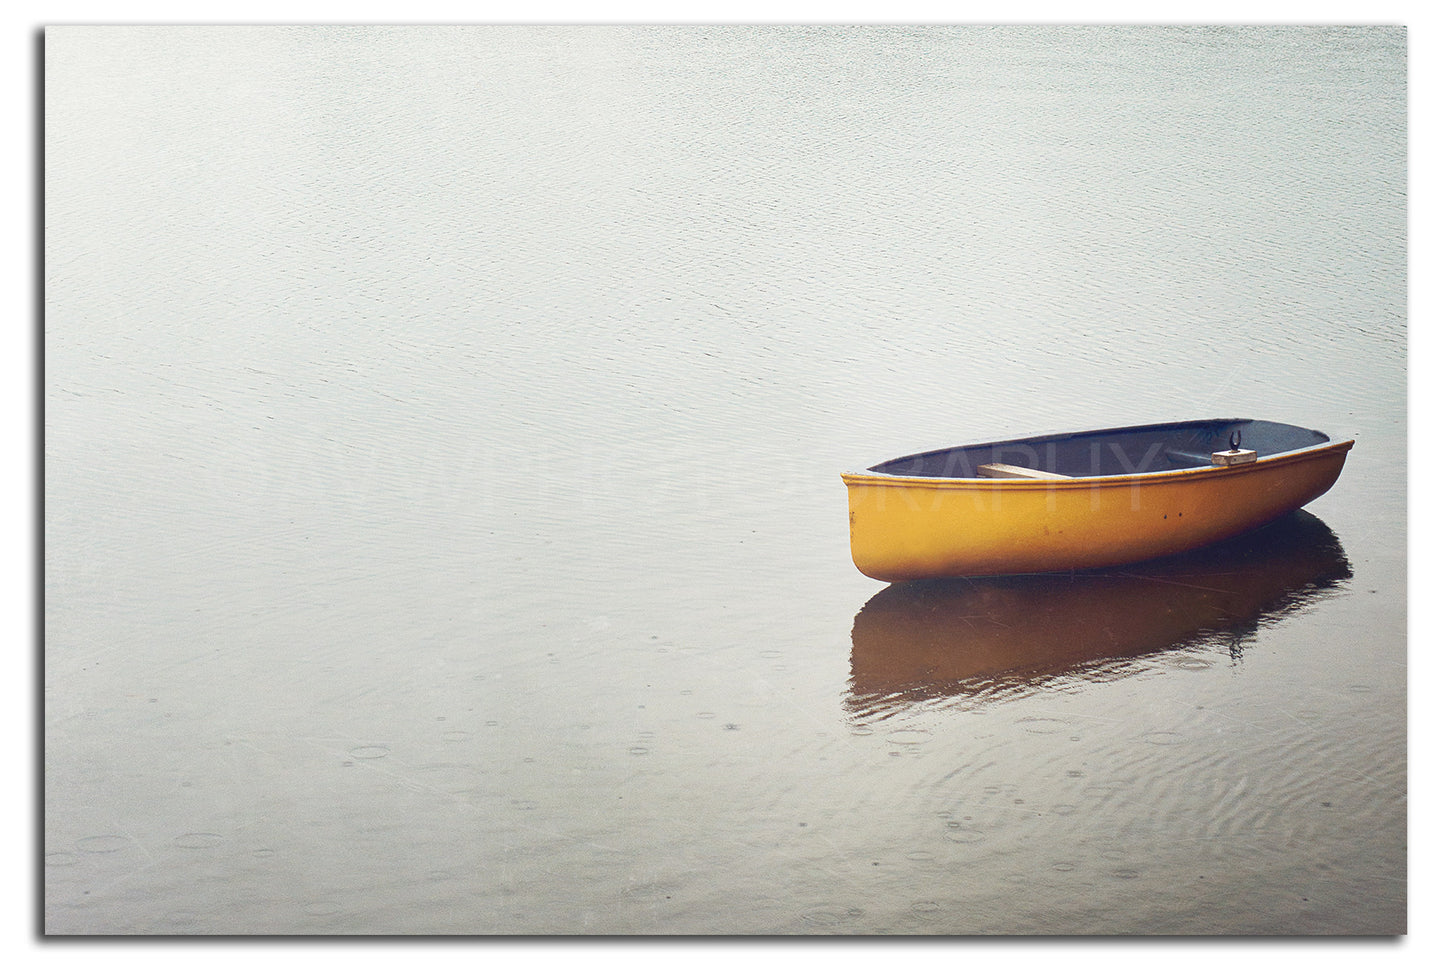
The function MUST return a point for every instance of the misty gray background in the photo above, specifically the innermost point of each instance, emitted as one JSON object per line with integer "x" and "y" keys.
{"x": 443, "y": 531}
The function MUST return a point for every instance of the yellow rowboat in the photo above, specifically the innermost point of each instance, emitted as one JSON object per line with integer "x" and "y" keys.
{"x": 1082, "y": 500}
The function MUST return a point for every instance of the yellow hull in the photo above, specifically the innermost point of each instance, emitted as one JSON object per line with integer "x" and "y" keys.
{"x": 905, "y": 528}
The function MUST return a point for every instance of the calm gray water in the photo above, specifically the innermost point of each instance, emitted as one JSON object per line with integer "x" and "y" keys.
{"x": 443, "y": 530}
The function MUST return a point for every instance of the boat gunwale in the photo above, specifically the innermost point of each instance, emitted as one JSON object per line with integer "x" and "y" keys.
{"x": 870, "y": 478}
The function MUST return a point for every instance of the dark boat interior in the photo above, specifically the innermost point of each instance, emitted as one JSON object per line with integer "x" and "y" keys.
{"x": 1114, "y": 451}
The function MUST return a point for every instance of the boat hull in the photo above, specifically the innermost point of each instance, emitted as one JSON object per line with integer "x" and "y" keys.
{"x": 904, "y": 528}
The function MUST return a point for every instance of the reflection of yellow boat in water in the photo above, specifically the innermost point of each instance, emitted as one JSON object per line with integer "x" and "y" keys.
{"x": 1082, "y": 500}
{"x": 990, "y": 637}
